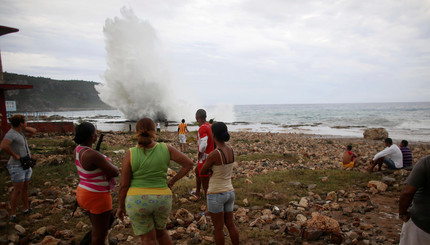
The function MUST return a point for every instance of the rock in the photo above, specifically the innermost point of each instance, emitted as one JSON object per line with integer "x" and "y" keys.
{"x": 322, "y": 222}
{"x": 248, "y": 181}
{"x": 245, "y": 202}
{"x": 331, "y": 196}
{"x": 13, "y": 238}
{"x": 352, "y": 235}
{"x": 49, "y": 240}
{"x": 366, "y": 227}
{"x": 301, "y": 218}
{"x": 185, "y": 216}
{"x": 378, "y": 185}
{"x": 20, "y": 229}
{"x": 41, "y": 231}
{"x": 35, "y": 216}
{"x": 388, "y": 180}
{"x": 375, "y": 133}
{"x": 293, "y": 229}
{"x": 64, "y": 234}
{"x": 312, "y": 235}
{"x": 304, "y": 202}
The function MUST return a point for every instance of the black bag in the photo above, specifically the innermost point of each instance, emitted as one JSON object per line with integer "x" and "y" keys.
{"x": 27, "y": 162}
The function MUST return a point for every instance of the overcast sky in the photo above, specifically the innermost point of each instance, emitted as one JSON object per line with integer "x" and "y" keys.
{"x": 240, "y": 51}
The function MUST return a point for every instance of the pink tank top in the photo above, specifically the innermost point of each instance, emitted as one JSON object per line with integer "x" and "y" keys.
{"x": 93, "y": 180}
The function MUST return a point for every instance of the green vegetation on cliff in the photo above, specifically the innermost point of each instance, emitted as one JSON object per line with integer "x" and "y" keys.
{"x": 52, "y": 95}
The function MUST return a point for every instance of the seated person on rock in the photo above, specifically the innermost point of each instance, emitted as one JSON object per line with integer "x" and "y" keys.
{"x": 349, "y": 158}
{"x": 407, "y": 154}
{"x": 391, "y": 156}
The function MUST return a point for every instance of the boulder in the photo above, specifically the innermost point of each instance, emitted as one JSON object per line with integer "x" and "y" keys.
{"x": 375, "y": 133}
{"x": 380, "y": 186}
{"x": 323, "y": 223}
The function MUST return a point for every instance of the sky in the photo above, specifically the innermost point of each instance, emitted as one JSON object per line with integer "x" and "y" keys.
{"x": 240, "y": 51}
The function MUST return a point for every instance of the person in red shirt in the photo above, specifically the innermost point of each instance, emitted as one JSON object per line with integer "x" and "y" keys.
{"x": 349, "y": 158}
{"x": 205, "y": 145}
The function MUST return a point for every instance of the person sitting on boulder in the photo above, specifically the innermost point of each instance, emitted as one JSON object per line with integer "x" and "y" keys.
{"x": 391, "y": 156}
{"x": 407, "y": 154}
{"x": 349, "y": 158}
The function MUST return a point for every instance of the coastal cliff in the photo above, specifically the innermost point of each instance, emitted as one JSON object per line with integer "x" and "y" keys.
{"x": 52, "y": 95}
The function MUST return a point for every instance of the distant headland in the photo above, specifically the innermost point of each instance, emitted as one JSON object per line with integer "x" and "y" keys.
{"x": 53, "y": 95}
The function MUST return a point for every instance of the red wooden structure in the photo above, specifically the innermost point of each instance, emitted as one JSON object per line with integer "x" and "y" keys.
{"x": 3, "y": 86}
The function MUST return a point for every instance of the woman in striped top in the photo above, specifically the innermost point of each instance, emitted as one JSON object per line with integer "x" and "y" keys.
{"x": 96, "y": 181}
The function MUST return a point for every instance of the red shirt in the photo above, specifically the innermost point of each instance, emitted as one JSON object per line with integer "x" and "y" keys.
{"x": 205, "y": 130}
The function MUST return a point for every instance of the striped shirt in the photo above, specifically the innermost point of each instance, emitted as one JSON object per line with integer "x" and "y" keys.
{"x": 94, "y": 180}
{"x": 407, "y": 156}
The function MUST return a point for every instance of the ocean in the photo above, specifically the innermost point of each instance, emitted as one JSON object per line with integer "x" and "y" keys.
{"x": 410, "y": 121}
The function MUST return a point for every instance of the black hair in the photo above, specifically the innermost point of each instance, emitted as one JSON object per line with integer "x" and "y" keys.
{"x": 405, "y": 143}
{"x": 183, "y": 120}
{"x": 84, "y": 131}
{"x": 201, "y": 114}
{"x": 349, "y": 147}
{"x": 220, "y": 132}
{"x": 389, "y": 141}
{"x": 16, "y": 120}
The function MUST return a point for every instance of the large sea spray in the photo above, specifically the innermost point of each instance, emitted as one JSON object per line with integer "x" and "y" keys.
{"x": 138, "y": 80}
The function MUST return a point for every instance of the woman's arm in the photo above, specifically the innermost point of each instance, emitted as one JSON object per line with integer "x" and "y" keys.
{"x": 101, "y": 162}
{"x": 124, "y": 185}
{"x": 5, "y": 146}
{"x": 183, "y": 160}
{"x": 29, "y": 131}
{"x": 211, "y": 160}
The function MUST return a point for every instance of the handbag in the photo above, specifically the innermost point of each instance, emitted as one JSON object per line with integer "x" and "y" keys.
{"x": 26, "y": 161}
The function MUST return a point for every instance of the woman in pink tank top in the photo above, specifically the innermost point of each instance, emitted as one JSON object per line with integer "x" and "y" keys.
{"x": 95, "y": 175}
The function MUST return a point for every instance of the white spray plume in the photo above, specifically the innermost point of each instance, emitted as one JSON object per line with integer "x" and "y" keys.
{"x": 138, "y": 80}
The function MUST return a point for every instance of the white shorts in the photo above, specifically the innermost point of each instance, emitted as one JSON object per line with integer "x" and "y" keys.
{"x": 182, "y": 138}
{"x": 412, "y": 234}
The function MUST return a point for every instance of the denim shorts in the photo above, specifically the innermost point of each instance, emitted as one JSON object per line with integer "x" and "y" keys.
{"x": 18, "y": 174}
{"x": 390, "y": 164}
{"x": 221, "y": 202}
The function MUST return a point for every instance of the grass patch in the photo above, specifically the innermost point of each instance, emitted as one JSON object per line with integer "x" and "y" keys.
{"x": 280, "y": 182}
{"x": 268, "y": 156}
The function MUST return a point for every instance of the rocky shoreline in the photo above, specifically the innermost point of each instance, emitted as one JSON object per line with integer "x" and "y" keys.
{"x": 365, "y": 214}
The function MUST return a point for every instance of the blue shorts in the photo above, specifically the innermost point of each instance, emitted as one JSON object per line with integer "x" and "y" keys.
{"x": 221, "y": 202}
{"x": 18, "y": 174}
{"x": 390, "y": 164}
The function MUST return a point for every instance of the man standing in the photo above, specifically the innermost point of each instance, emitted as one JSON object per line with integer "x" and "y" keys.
{"x": 205, "y": 146}
{"x": 15, "y": 144}
{"x": 182, "y": 128}
{"x": 391, "y": 156}
{"x": 416, "y": 229}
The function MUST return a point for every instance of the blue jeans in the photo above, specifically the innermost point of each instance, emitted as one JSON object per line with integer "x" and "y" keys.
{"x": 390, "y": 164}
{"x": 221, "y": 202}
{"x": 18, "y": 174}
